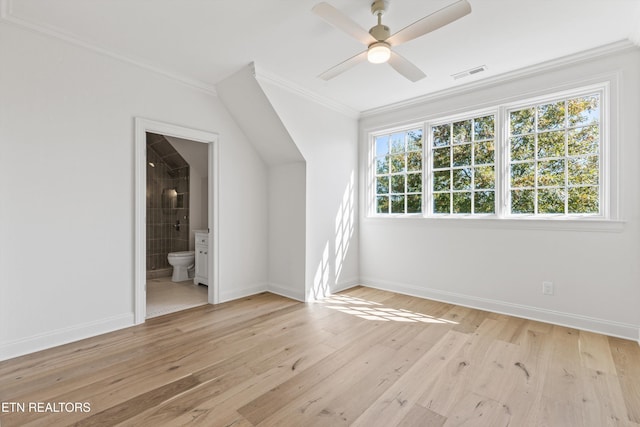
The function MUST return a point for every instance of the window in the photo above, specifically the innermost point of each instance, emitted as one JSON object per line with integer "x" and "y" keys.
{"x": 463, "y": 166}
{"x": 398, "y": 172}
{"x": 554, "y": 153}
{"x": 538, "y": 159}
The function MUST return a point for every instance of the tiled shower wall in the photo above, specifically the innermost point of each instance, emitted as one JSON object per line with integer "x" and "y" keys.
{"x": 162, "y": 236}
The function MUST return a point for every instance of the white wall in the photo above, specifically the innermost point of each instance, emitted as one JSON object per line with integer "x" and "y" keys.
{"x": 66, "y": 167}
{"x": 328, "y": 141}
{"x": 287, "y": 229}
{"x": 196, "y": 155}
{"x": 500, "y": 266}
{"x": 254, "y": 113}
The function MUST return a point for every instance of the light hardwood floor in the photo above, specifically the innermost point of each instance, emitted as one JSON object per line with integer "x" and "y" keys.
{"x": 363, "y": 357}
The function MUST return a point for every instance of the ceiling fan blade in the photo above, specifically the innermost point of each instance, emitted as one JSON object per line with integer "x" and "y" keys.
{"x": 406, "y": 68}
{"x": 342, "y": 22}
{"x": 431, "y": 22}
{"x": 344, "y": 66}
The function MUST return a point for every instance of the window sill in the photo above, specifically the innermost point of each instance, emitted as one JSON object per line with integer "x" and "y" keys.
{"x": 522, "y": 223}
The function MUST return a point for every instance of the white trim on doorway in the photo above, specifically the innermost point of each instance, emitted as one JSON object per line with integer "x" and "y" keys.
{"x": 142, "y": 126}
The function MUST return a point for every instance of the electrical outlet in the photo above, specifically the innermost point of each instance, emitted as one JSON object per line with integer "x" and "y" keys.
{"x": 547, "y": 288}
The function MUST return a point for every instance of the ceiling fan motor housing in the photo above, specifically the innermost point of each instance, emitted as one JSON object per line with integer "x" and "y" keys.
{"x": 379, "y": 32}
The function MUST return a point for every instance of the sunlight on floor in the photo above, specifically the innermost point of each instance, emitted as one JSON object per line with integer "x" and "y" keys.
{"x": 370, "y": 310}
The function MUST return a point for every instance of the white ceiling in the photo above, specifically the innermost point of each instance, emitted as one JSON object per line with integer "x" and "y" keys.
{"x": 204, "y": 41}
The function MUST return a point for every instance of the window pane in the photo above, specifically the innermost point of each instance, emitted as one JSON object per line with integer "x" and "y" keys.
{"x": 553, "y": 158}
{"x": 462, "y": 132}
{"x": 462, "y": 155}
{"x": 462, "y": 179}
{"x": 551, "y": 173}
{"x": 382, "y": 204}
{"x": 583, "y": 200}
{"x": 397, "y": 163}
{"x": 522, "y": 201}
{"x": 442, "y": 180}
{"x": 551, "y": 144}
{"x": 551, "y": 116}
{"x": 584, "y": 110}
{"x": 382, "y": 165}
{"x": 382, "y": 185}
{"x": 399, "y": 171}
{"x": 414, "y": 183}
{"x": 485, "y": 177}
{"x": 382, "y": 145}
{"x": 522, "y": 175}
{"x": 414, "y": 140}
{"x": 567, "y": 148}
{"x": 441, "y": 202}
{"x": 397, "y": 183}
{"x": 583, "y": 140}
{"x": 397, "y": 204}
{"x": 484, "y": 202}
{"x": 461, "y": 202}
{"x": 397, "y": 143}
{"x": 441, "y": 157}
{"x": 485, "y": 152}
{"x": 414, "y": 161}
{"x": 550, "y": 200}
{"x": 414, "y": 203}
{"x": 483, "y": 128}
{"x": 522, "y": 121}
{"x": 473, "y": 145}
{"x": 583, "y": 170}
{"x": 441, "y": 135}
{"x": 523, "y": 147}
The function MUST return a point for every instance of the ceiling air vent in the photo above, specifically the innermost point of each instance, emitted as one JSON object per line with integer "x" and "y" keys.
{"x": 470, "y": 72}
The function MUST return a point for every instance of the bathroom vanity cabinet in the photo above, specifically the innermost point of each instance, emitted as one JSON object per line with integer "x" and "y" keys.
{"x": 202, "y": 254}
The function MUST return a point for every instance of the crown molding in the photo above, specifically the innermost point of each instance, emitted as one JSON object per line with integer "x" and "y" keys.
{"x": 608, "y": 49}
{"x": 7, "y": 16}
{"x": 267, "y": 77}
{"x": 633, "y": 41}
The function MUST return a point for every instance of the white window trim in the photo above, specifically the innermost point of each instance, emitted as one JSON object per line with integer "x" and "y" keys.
{"x": 603, "y": 91}
{"x": 608, "y": 219}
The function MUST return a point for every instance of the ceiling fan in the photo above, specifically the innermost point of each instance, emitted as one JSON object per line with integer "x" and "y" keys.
{"x": 379, "y": 40}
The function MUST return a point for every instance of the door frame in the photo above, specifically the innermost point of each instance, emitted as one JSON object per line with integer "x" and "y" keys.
{"x": 142, "y": 126}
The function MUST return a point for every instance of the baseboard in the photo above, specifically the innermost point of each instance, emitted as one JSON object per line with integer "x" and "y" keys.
{"x": 339, "y": 287}
{"x": 58, "y": 337}
{"x": 285, "y": 291}
{"x": 230, "y": 295}
{"x": 602, "y": 326}
{"x": 164, "y": 272}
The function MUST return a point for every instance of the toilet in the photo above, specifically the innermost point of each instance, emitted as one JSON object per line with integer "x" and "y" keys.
{"x": 181, "y": 262}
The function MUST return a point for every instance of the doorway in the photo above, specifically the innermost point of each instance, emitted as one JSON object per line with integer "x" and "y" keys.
{"x": 143, "y": 127}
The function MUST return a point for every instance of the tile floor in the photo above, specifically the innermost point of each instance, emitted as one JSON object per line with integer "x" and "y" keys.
{"x": 165, "y": 296}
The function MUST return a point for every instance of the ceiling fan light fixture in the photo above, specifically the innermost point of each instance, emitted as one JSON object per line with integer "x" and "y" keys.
{"x": 379, "y": 53}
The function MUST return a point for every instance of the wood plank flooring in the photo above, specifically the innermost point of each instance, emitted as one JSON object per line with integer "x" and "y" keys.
{"x": 364, "y": 357}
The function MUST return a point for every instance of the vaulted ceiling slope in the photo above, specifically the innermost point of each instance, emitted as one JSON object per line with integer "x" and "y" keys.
{"x": 202, "y": 42}
{"x": 251, "y": 109}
